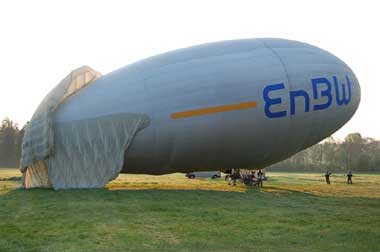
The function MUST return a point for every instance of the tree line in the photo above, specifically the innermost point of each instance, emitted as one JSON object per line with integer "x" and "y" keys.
{"x": 353, "y": 153}
{"x": 10, "y": 143}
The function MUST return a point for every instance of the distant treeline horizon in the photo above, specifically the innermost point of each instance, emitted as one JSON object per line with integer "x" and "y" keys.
{"x": 354, "y": 153}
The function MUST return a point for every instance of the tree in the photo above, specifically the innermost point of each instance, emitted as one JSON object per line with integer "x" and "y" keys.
{"x": 8, "y": 132}
{"x": 10, "y": 143}
{"x": 364, "y": 162}
{"x": 352, "y": 146}
{"x": 330, "y": 155}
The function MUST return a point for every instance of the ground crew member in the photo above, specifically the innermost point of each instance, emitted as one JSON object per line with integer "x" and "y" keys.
{"x": 260, "y": 178}
{"x": 327, "y": 176}
{"x": 349, "y": 177}
{"x": 235, "y": 173}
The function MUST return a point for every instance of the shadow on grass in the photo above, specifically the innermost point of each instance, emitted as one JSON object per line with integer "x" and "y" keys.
{"x": 11, "y": 179}
{"x": 10, "y": 187}
{"x": 136, "y": 191}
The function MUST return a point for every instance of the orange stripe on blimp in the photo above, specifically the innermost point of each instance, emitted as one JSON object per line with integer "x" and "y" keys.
{"x": 213, "y": 110}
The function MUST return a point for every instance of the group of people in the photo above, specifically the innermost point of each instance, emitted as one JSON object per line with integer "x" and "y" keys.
{"x": 256, "y": 178}
{"x": 252, "y": 178}
{"x": 328, "y": 174}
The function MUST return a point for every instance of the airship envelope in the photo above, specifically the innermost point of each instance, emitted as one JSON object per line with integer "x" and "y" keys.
{"x": 231, "y": 104}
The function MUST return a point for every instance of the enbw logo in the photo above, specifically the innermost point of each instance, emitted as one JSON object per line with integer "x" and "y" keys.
{"x": 322, "y": 90}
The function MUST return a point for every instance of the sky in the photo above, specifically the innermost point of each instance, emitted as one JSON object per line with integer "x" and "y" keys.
{"x": 42, "y": 41}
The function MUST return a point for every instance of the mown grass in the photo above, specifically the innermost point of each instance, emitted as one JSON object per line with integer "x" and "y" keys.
{"x": 293, "y": 212}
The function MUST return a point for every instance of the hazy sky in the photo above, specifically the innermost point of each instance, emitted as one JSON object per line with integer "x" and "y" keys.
{"x": 42, "y": 41}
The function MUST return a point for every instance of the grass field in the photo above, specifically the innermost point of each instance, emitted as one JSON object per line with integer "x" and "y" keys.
{"x": 293, "y": 212}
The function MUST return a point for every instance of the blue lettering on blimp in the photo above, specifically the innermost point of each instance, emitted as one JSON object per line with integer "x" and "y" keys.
{"x": 322, "y": 95}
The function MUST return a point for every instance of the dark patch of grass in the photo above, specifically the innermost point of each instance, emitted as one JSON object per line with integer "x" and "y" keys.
{"x": 11, "y": 179}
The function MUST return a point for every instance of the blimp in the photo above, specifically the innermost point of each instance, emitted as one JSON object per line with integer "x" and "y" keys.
{"x": 232, "y": 104}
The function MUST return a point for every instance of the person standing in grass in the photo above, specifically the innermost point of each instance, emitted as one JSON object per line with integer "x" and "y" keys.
{"x": 260, "y": 178}
{"x": 327, "y": 176}
{"x": 349, "y": 177}
{"x": 235, "y": 174}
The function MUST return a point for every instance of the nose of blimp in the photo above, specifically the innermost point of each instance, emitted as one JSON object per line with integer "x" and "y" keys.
{"x": 352, "y": 99}
{"x": 357, "y": 94}
{"x": 345, "y": 95}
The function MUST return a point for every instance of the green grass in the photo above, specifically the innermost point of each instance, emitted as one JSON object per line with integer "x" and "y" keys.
{"x": 293, "y": 212}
